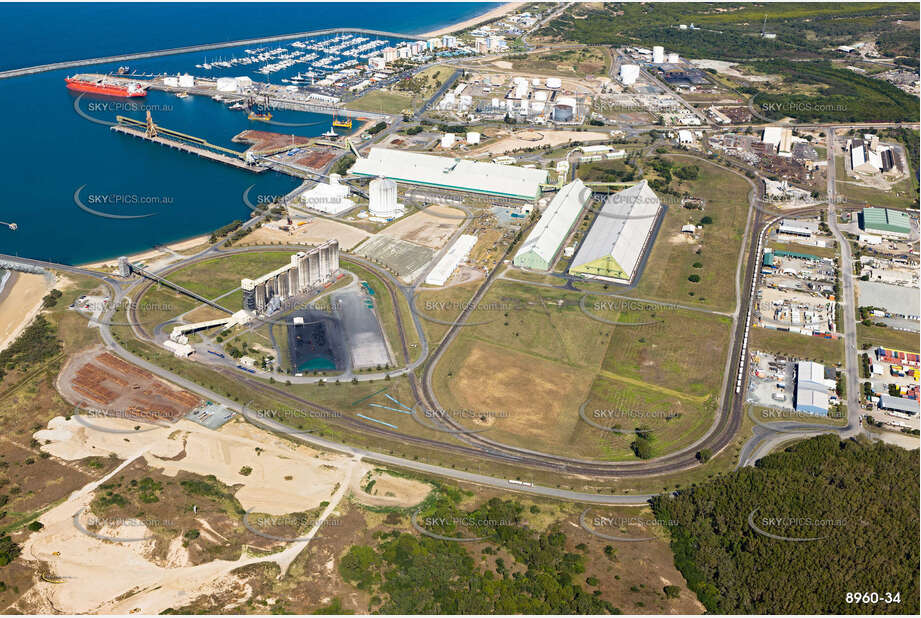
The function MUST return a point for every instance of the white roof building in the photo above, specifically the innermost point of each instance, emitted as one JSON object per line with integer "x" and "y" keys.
{"x": 810, "y": 374}
{"x": 180, "y": 350}
{"x": 614, "y": 244}
{"x": 329, "y": 198}
{"x": 452, "y": 174}
{"x": 812, "y": 388}
{"x": 451, "y": 260}
{"x": 781, "y": 138}
{"x": 551, "y": 230}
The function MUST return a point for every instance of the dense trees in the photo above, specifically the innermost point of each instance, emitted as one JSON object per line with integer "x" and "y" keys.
{"x": 860, "y": 500}
{"x": 416, "y": 574}
{"x": 845, "y": 95}
{"x": 38, "y": 342}
{"x": 804, "y": 31}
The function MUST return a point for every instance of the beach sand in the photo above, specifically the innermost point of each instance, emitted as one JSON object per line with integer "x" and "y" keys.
{"x": 20, "y": 300}
{"x": 499, "y": 11}
{"x": 152, "y": 254}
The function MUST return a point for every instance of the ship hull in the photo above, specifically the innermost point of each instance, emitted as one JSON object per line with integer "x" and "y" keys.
{"x": 104, "y": 89}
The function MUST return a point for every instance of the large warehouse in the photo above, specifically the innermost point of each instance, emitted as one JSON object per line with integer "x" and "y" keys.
{"x": 445, "y": 173}
{"x": 886, "y": 222}
{"x": 614, "y": 245}
{"x": 813, "y": 385}
{"x": 551, "y": 230}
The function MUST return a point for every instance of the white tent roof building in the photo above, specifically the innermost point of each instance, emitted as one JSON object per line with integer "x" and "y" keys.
{"x": 617, "y": 239}
{"x": 551, "y": 230}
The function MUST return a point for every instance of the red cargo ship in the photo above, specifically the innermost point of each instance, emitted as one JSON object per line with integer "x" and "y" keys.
{"x": 106, "y": 87}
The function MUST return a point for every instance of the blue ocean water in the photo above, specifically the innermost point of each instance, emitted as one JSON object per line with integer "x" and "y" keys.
{"x": 51, "y": 152}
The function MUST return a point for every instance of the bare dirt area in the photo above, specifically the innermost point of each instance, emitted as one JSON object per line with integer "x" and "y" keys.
{"x": 272, "y": 485}
{"x": 317, "y": 159}
{"x": 267, "y": 142}
{"x": 379, "y": 488}
{"x": 315, "y": 231}
{"x": 510, "y": 142}
{"x": 281, "y": 478}
{"x": 543, "y": 411}
{"x": 431, "y": 227}
{"x": 191, "y": 484}
{"x": 99, "y": 381}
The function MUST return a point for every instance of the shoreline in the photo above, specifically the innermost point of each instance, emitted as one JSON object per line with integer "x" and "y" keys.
{"x": 20, "y": 301}
{"x": 147, "y": 254}
{"x": 490, "y": 15}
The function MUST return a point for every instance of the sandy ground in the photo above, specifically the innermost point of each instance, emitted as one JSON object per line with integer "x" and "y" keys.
{"x": 314, "y": 232}
{"x": 221, "y": 453}
{"x": 121, "y": 578}
{"x": 116, "y": 578}
{"x": 431, "y": 227}
{"x": 20, "y": 301}
{"x": 148, "y": 256}
{"x": 726, "y": 68}
{"x": 389, "y": 490}
{"x": 499, "y": 11}
{"x": 909, "y": 443}
{"x": 511, "y": 143}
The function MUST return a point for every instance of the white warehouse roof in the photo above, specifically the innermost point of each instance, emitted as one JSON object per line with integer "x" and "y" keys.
{"x": 450, "y": 260}
{"x": 449, "y": 173}
{"x": 554, "y": 224}
{"x": 614, "y": 244}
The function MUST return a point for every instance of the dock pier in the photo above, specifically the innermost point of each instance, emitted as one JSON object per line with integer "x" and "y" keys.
{"x": 196, "y": 150}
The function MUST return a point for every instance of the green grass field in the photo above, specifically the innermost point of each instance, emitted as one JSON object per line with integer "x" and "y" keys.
{"x": 718, "y": 250}
{"x": 542, "y": 337}
{"x": 215, "y": 277}
{"x": 872, "y": 336}
{"x": 827, "y": 351}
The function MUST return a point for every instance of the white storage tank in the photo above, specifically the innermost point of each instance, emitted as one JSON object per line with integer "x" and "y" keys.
{"x": 629, "y": 73}
{"x": 673, "y": 58}
{"x": 658, "y": 54}
{"x": 382, "y": 193}
{"x": 540, "y": 95}
{"x": 186, "y": 81}
{"x": 447, "y": 140}
{"x": 496, "y": 104}
{"x": 172, "y": 82}
{"x": 473, "y": 137}
{"x": 554, "y": 82}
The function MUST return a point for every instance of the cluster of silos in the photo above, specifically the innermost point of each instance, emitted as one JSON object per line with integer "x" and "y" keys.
{"x": 305, "y": 270}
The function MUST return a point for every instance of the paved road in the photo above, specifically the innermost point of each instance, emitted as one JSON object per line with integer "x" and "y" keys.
{"x": 848, "y": 299}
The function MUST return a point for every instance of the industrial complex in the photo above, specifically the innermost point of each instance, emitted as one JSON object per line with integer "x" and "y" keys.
{"x": 307, "y": 270}
{"x": 453, "y": 175}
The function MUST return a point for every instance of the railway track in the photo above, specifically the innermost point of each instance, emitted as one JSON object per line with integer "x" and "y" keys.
{"x": 476, "y": 445}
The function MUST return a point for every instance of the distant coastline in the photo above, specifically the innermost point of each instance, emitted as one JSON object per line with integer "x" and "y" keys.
{"x": 490, "y": 15}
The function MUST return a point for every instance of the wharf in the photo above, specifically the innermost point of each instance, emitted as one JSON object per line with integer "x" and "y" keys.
{"x": 275, "y": 96}
{"x": 202, "y": 152}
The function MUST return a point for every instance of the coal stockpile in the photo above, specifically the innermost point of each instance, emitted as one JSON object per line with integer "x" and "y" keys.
{"x": 317, "y": 344}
